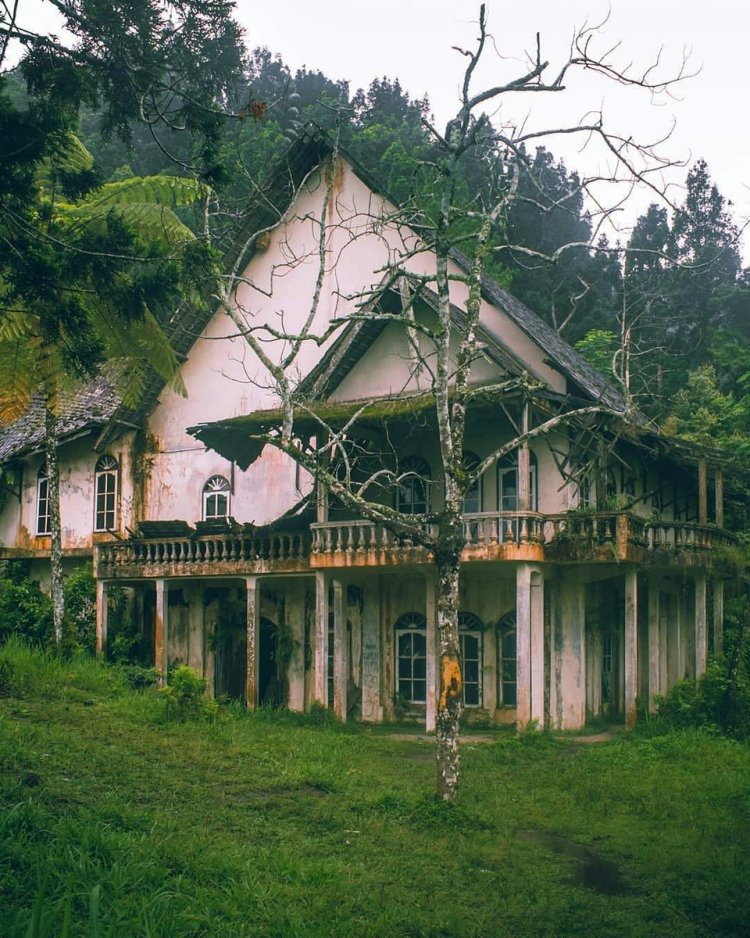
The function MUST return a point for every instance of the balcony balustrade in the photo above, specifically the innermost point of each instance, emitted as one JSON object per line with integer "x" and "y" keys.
{"x": 500, "y": 535}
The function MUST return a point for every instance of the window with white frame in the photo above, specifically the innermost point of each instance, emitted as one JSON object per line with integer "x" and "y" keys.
{"x": 105, "y": 493}
{"x": 413, "y": 489}
{"x": 507, "y": 483}
{"x": 411, "y": 657}
{"x": 216, "y": 498}
{"x": 506, "y": 661}
{"x": 42, "y": 502}
{"x": 470, "y": 641}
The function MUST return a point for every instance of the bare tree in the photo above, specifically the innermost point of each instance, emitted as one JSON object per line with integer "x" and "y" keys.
{"x": 423, "y": 269}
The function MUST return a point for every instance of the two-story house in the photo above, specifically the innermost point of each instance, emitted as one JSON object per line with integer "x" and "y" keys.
{"x": 588, "y": 581}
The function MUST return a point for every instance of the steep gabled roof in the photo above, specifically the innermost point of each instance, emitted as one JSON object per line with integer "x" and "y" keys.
{"x": 267, "y": 208}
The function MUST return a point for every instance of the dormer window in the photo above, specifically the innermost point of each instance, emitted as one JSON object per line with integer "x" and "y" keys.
{"x": 105, "y": 488}
{"x": 216, "y": 498}
{"x": 42, "y": 501}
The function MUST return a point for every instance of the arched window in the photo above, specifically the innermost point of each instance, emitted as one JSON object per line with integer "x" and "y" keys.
{"x": 42, "y": 501}
{"x": 105, "y": 491}
{"x": 413, "y": 489}
{"x": 473, "y": 495}
{"x": 507, "y": 483}
{"x": 470, "y": 640}
{"x": 506, "y": 661}
{"x": 216, "y": 498}
{"x": 411, "y": 657}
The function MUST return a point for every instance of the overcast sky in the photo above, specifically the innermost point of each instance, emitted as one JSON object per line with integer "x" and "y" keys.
{"x": 412, "y": 40}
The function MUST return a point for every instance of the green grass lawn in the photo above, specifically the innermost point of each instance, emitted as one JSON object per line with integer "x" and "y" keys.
{"x": 114, "y": 822}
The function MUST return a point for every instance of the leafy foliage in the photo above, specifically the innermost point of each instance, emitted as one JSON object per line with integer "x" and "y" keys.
{"x": 185, "y": 696}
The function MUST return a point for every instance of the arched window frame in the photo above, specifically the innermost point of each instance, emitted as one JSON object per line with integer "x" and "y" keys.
{"x": 43, "y": 525}
{"x": 507, "y": 662}
{"x": 411, "y": 657}
{"x": 507, "y": 483}
{"x": 216, "y": 492}
{"x": 414, "y": 486}
{"x": 106, "y": 485}
{"x": 470, "y": 633}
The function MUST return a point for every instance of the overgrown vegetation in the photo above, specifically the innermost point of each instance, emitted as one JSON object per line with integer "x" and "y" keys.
{"x": 114, "y": 822}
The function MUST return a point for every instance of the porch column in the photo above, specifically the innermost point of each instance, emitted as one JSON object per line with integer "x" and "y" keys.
{"x": 568, "y": 667}
{"x": 161, "y": 630}
{"x": 372, "y": 710}
{"x": 719, "y": 497}
{"x": 294, "y": 617}
{"x": 631, "y": 647}
{"x": 340, "y": 650}
{"x": 702, "y": 491}
{"x": 701, "y": 631}
{"x": 718, "y": 592}
{"x": 654, "y": 643}
{"x": 252, "y": 587}
{"x": 430, "y": 614}
{"x": 523, "y": 645}
{"x": 537, "y": 648}
{"x": 101, "y": 618}
{"x": 524, "y": 465}
{"x": 320, "y": 639}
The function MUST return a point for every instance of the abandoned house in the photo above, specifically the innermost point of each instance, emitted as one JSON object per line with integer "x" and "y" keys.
{"x": 589, "y": 580}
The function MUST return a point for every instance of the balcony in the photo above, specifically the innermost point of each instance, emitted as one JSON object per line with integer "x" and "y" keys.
{"x": 573, "y": 537}
{"x": 223, "y": 554}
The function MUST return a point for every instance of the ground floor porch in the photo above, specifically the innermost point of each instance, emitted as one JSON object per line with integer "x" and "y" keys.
{"x": 552, "y": 644}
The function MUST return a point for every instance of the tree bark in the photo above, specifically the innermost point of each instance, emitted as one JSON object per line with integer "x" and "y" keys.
{"x": 449, "y": 700}
{"x": 53, "y": 501}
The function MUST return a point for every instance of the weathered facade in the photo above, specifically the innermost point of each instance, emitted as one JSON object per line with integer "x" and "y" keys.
{"x": 583, "y": 592}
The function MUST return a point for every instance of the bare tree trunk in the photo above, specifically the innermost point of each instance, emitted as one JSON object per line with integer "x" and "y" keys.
{"x": 449, "y": 702}
{"x": 53, "y": 501}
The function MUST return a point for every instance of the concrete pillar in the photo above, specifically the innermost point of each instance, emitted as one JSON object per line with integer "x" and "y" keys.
{"x": 631, "y": 647}
{"x": 702, "y": 491}
{"x": 294, "y": 617}
{"x": 568, "y": 700}
{"x": 665, "y": 601}
{"x": 101, "y": 618}
{"x": 161, "y": 630}
{"x": 654, "y": 644}
{"x": 675, "y": 667}
{"x": 718, "y": 616}
{"x": 701, "y": 622}
{"x": 372, "y": 710}
{"x": 340, "y": 653}
{"x": 252, "y": 594}
{"x": 320, "y": 639}
{"x": 719, "y": 497}
{"x": 430, "y": 614}
{"x": 537, "y": 648}
{"x": 523, "y": 645}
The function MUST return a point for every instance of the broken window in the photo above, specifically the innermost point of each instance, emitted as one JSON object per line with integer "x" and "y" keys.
{"x": 411, "y": 657}
{"x": 105, "y": 488}
{"x": 216, "y": 498}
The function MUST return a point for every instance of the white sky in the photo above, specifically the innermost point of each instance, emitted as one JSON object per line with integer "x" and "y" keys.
{"x": 412, "y": 39}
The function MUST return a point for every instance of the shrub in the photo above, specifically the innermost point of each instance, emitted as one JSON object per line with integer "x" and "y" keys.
{"x": 185, "y": 696}
{"x": 80, "y": 608}
{"x": 24, "y": 609}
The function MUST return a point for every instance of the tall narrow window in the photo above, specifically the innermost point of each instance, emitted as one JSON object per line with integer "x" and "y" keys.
{"x": 473, "y": 495}
{"x": 506, "y": 665}
{"x": 42, "y": 501}
{"x": 411, "y": 657}
{"x": 413, "y": 487}
{"x": 105, "y": 486}
{"x": 470, "y": 640}
{"x": 216, "y": 498}
{"x": 507, "y": 484}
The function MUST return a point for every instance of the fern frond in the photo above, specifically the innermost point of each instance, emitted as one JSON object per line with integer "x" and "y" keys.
{"x": 148, "y": 219}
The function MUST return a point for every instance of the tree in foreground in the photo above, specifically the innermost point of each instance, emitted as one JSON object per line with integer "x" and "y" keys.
{"x": 422, "y": 274}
